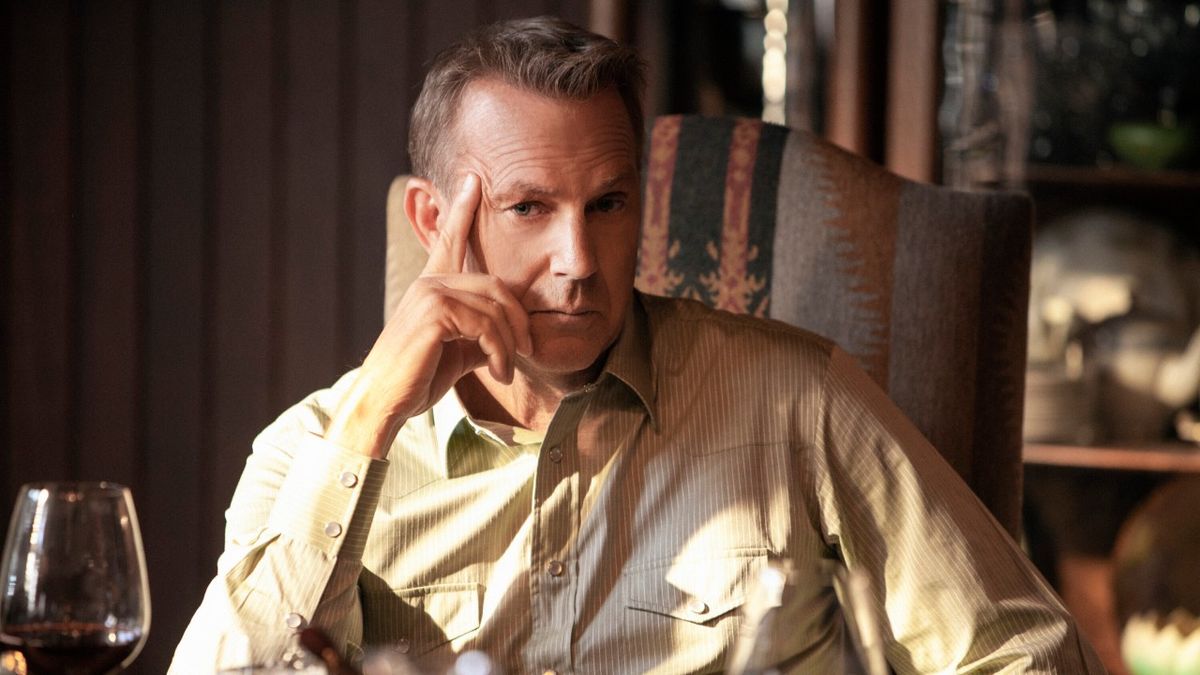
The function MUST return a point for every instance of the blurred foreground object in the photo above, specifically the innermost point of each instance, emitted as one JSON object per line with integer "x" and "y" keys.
{"x": 387, "y": 661}
{"x": 12, "y": 662}
{"x": 317, "y": 643}
{"x": 238, "y": 658}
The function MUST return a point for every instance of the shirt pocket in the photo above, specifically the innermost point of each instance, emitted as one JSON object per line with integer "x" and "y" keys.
{"x": 420, "y": 619}
{"x": 682, "y": 614}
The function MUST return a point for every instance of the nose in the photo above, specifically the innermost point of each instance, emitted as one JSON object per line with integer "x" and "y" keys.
{"x": 573, "y": 255}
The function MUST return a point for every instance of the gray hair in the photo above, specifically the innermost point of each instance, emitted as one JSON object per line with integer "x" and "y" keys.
{"x": 545, "y": 55}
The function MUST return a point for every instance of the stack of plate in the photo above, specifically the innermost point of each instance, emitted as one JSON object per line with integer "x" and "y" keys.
{"x": 1058, "y": 408}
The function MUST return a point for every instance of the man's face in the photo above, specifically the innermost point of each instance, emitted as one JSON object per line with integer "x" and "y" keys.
{"x": 559, "y": 215}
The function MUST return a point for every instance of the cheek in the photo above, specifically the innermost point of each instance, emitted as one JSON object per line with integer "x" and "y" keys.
{"x": 516, "y": 263}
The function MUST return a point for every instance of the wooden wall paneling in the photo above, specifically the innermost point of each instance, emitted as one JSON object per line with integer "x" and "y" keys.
{"x": 608, "y": 17}
{"x": 6, "y": 217}
{"x": 914, "y": 89}
{"x": 579, "y": 12}
{"x": 857, "y": 76}
{"x": 178, "y": 441}
{"x": 378, "y": 95}
{"x": 40, "y": 282}
{"x": 109, "y": 307}
{"x": 804, "y": 90}
{"x": 485, "y": 12}
{"x": 849, "y": 77}
{"x": 243, "y": 313}
{"x": 440, "y": 24}
{"x": 513, "y": 10}
{"x": 310, "y": 329}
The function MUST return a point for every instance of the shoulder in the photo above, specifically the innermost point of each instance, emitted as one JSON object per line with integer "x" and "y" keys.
{"x": 739, "y": 379}
{"x": 721, "y": 363}
{"x": 678, "y": 324}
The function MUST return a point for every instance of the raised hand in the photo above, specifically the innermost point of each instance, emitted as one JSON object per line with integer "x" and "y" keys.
{"x": 448, "y": 323}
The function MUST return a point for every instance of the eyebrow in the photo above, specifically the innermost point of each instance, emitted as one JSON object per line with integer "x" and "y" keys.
{"x": 526, "y": 190}
{"x": 615, "y": 180}
{"x": 521, "y": 189}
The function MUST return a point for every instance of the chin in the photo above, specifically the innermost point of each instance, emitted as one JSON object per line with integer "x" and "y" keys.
{"x": 566, "y": 356}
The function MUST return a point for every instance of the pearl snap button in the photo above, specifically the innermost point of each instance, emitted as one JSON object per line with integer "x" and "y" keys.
{"x": 555, "y": 454}
{"x": 556, "y": 568}
{"x": 402, "y": 645}
{"x": 333, "y": 529}
{"x": 697, "y": 607}
{"x": 294, "y": 621}
{"x": 348, "y": 479}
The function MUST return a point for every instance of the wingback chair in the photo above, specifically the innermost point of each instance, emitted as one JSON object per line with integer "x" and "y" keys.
{"x": 926, "y": 286}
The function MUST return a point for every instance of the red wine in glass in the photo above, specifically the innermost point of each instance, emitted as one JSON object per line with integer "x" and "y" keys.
{"x": 71, "y": 648}
{"x": 75, "y": 597}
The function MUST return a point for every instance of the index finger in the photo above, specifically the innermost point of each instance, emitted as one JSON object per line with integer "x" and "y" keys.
{"x": 449, "y": 254}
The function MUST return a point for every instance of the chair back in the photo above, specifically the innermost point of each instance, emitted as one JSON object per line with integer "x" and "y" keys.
{"x": 926, "y": 286}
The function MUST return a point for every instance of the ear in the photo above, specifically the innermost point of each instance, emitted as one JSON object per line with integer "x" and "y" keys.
{"x": 422, "y": 204}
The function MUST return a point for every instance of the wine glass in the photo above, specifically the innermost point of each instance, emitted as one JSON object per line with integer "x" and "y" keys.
{"x": 75, "y": 597}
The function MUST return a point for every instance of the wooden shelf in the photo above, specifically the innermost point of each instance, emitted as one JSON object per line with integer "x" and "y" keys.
{"x": 1053, "y": 175}
{"x": 1171, "y": 196}
{"x": 1163, "y": 457}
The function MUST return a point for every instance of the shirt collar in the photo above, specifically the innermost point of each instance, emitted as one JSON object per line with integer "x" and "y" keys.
{"x": 628, "y": 361}
{"x": 448, "y": 413}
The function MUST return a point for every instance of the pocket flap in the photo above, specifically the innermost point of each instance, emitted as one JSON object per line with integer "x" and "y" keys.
{"x": 694, "y": 590}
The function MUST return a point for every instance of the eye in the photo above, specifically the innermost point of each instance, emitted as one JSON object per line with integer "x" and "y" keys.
{"x": 609, "y": 203}
{"x": 524, "y": 209}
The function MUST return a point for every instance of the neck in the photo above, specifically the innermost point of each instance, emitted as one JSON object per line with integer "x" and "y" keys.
{"x": 529, "y": 402}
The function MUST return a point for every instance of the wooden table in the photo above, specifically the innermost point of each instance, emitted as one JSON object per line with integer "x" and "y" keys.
{"x": 1160, "y": 457}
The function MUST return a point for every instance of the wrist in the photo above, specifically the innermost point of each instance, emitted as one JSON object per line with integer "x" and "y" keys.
{"x": 361, "y": 423}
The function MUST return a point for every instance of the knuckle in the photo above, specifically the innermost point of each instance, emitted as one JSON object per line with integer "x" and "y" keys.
{"x": 438, "y": 302}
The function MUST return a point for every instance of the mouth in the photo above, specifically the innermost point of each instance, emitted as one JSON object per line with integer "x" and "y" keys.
{"x": 565, "y": 319}
{"x": 564, "y": 312}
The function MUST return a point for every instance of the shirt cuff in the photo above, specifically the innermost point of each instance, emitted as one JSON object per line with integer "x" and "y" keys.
{"x": 328, "y": 498}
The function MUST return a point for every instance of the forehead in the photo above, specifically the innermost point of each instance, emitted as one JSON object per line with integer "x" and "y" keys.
{"x": 508, "y": 133}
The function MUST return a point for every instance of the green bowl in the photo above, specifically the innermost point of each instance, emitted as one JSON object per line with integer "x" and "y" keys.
{"x": 1147, "y": 145}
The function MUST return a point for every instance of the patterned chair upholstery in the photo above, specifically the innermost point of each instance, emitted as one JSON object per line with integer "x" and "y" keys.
{"x": 927, "y": 287}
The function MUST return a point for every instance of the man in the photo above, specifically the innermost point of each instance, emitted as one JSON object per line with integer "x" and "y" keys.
{"x": 536, "y": 461}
